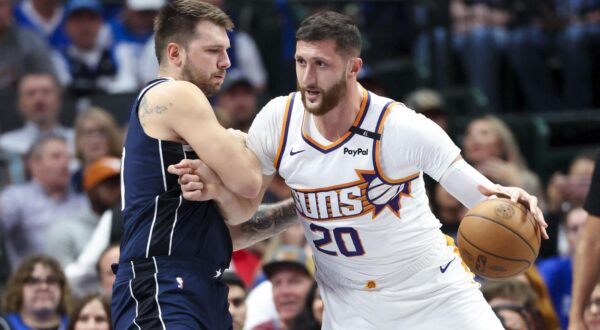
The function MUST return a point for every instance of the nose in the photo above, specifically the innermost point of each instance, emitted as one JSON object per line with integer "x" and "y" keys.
{"x": 308, "y": 76}
{"x": 224, "y": 62}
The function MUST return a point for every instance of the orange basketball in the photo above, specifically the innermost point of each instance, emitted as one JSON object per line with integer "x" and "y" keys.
{"x": 498, "y": 238}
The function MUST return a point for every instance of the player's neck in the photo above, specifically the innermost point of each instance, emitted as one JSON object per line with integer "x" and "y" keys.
{"x": 338, "y": 121}
{"x": 169, "y": 72}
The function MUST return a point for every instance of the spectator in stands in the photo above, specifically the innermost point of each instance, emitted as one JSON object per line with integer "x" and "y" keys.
{"x": 544, "y": 305}
{"x": 132, "y": 31}
{"x": 91, "y": 313}
{"x": 514, "y": 303}
{"x": 108, "y": 257}
{"x": 291, "y": 276}
{"x": 566, "y": 191}
{"x": 86, "y": 65}
{"x": 236, "y": 298}
{"x": 44, "y": 17}
{"x": 236, "y": 104}
{"x": 430, "y": 103}
{"x": 136, "y": 22}
{"x": 39, "y": 101}
{"x": 311, "y": 317}
{"x": 21, "y": 51}
{"x": 92, "y": 267}
{"x": 580, "y": 42}
{"x": 96, "y": 135}
{"x": 27, "y": 211}
{"x": 479, "y": 38}
{"x": 558, "y": 271}
{"x": 532, "y": 26}
{"x": 37, "y": 296}
{"x": 491, "y": 148}
{"x": 591, "y": 315}
{"x": 101, "y": 181}
{"x": 448, "y": 210}
{"x": 293, "y": 236}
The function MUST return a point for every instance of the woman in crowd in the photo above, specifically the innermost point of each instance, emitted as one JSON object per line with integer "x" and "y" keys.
{"x": 491, "y": 148}
{"x": 91, "y": 313}
{"x": 96, "y": 135}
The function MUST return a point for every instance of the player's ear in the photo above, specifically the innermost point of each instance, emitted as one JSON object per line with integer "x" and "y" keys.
{"x": 355, "y": 65}
{"x": 175, "y": 53}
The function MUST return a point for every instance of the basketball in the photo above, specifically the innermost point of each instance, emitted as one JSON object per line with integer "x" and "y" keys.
{"x": 498, "y": 238}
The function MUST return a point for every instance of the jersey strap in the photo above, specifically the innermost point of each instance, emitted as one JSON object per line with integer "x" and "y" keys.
{"x": 284, "y": 130}
{"x": 377, "y": 148}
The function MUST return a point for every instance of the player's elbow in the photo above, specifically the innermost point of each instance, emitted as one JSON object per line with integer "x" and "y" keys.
{"x": 242, "y": 217}
{"x": 248, "y": 186}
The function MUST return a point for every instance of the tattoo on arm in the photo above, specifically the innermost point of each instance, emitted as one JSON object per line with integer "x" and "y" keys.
{"x": 269, "y": 220}
{"x": 146, "y": 109}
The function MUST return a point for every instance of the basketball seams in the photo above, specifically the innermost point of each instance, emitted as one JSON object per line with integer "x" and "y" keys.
{"x": 528, "y": 215}
{"x": 492, "y": 254}
{"x": 507, "y": 227}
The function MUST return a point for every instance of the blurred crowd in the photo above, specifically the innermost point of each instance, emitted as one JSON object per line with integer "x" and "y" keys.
{"x": 60, "y": 220}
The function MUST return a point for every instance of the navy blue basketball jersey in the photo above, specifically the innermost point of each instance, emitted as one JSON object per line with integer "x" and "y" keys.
{"x": 158, "y": 222}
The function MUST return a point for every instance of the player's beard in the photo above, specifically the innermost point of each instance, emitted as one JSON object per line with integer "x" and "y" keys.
{"x": 329, "y": 98}
{"x": 188, "y": 73}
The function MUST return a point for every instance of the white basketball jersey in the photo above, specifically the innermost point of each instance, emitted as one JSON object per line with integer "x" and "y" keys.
{"x": 362, "y": 197}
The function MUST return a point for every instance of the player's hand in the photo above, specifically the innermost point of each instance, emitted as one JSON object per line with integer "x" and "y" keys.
{"x": 198, "y": 182}
{"x": 519, "y": 195}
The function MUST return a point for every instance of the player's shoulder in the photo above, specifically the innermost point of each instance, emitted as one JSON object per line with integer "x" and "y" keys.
{"x": 396, "y": 112}
{"x": 275, "y": 108}
{"x": 175, "y": 89}
{"x": 279, "y": 103}
{"x": 181, "y": 96}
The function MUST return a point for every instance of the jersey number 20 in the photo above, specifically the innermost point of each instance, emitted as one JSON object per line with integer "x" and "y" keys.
{"x": 339, "y": 235}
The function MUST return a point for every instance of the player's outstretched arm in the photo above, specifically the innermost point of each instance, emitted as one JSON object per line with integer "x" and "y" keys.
{"x": 586, "y": 268}
{"x": 193, "y": 122}
{"x": 269, "y": 220}
{"x": 470, "y": 187}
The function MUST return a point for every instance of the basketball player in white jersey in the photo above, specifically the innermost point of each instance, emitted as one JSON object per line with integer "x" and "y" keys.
{"x": 355, "y": 163}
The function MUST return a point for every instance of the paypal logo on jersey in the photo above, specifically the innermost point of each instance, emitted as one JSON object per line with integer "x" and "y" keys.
{"x": 356, "y": 152}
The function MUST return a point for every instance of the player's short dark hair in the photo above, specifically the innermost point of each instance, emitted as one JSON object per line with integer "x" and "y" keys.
{"x": 329, "y": 25}
{"x": 176, "y": 22}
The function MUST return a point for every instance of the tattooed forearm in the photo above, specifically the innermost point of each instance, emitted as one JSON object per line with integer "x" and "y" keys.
{"x": 268, "y": 221}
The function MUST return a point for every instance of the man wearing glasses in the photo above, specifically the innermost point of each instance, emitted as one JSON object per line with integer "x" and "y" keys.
{"x": 37, "y": 296}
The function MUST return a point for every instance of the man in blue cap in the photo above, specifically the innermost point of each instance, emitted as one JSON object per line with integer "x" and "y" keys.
{"x": 87, "y": 64}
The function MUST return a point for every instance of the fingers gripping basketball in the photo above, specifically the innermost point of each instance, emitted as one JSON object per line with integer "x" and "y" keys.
{"x": 498, "y": 238}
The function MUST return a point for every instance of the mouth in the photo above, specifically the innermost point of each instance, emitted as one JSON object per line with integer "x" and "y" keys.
{"x": 219, "y": 76}
{"x": 312, "y": 94}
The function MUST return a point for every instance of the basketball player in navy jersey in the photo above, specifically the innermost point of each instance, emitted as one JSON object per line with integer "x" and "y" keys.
{"x": 173, "y": 251}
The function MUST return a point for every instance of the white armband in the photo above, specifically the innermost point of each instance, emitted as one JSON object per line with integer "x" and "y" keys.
{"x": 461, "y": 180}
